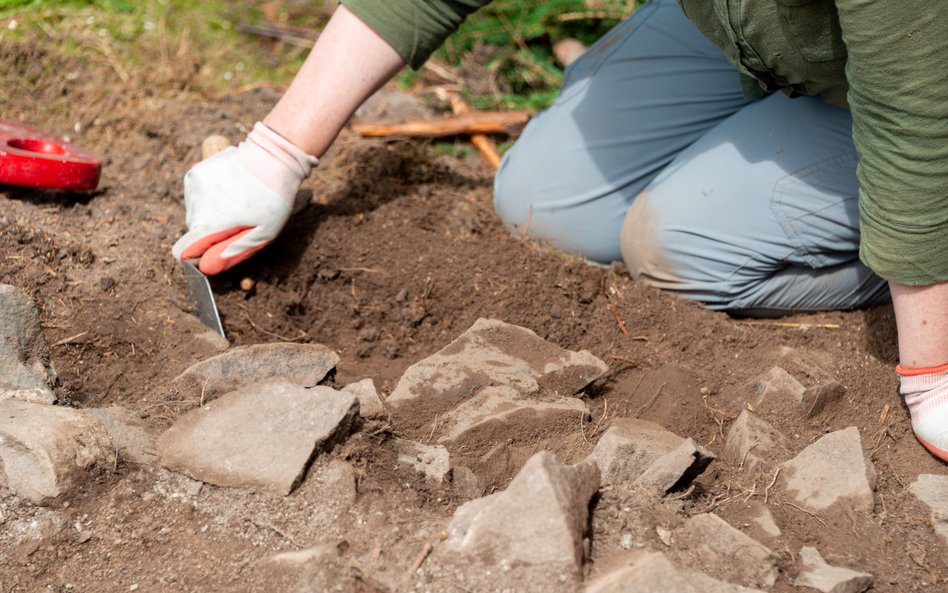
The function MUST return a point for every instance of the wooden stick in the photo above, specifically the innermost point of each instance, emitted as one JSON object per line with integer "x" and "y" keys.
{"x": 278, "y": 33}
{"x": 500, "y": 122}
{"x": 481, "y": 142}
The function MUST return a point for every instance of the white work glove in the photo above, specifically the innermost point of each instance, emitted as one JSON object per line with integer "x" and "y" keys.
{"x": 239, "y": 200}
{"x": 926, "y": 395}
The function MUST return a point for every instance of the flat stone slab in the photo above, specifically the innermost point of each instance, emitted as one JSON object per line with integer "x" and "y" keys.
{"x": 531, "y": 531}
{"x": 260, "y": 437}
{"x": 776, "y": 387}
{"x": 635, "y": 453}
{"x": 752, "y": 442}
{"x": 710, "y": 544}
{"x": 492, "y": 352}
{"x": 431, "y": 460}
{"x": 301, "y": 364}
{"x": 817, "y": 574}
{"x": 48, "y": 450}
{"x": 26, "y": 373}
{"x": 932, "y": 490}
{"x": 504, "y": 404}
{"x": 653, "y": 572}
{"x": 370, "y": 404}
{"x": 832, "y": 471}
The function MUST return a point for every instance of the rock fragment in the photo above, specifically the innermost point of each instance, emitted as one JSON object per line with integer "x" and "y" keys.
{"x": 816, "y": 398}
{"x": 532, "y": 532}
{"x": 431, "y": 460}
{"x": 128, "y": 433}
{"x": 636, "y": 453}
{"x": 370, "y": 404}
{"x": 301, "y": 364}
{"x": 26, "y": 373}
{"x": 932, "y": 490}
{"x": 775, "y": 388}
{"x": 752, "y": 442}
{"x": 503, "y": 404}
{"x": 259, "y": 437}
{"x": 832, "y": 471}
{"x": 712, "y": 545}
{"x": 817, "y": 574}
{"x": 652, "y": 572}
{"x": 492, "y": 352}
{"x": 48, "y": 450}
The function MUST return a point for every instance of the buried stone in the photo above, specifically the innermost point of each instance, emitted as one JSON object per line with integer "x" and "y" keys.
{"x": 259, "y": 437}
{"x": 26, "y": 373}
{"x": 302, "y": 364}
{"x": 817, "y": 574}
{"x": 710, "y": 544}
{"x": 652, "y": 572}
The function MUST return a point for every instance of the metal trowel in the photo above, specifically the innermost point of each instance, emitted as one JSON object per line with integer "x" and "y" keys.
{"x": 202, "y": 299}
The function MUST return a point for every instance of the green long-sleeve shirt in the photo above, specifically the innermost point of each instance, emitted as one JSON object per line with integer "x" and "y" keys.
{"x": 886, "y": 61}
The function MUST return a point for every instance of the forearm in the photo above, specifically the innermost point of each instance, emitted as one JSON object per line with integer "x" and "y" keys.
{"x": 347, "y": 65}
{"x": 921, "y": 314}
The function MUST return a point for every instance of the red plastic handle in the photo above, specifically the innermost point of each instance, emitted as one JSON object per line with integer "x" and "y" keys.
{"x": 31, "y": 158}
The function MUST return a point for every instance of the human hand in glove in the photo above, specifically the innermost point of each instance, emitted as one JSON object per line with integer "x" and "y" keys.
{"x": 239, "y": 200}
{"x": 926, "y": 395}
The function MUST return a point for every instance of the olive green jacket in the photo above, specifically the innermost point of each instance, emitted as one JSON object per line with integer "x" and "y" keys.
{"x": 886, "y": 61}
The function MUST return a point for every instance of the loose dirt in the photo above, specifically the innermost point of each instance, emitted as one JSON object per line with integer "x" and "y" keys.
{"x": 397, "y": 254}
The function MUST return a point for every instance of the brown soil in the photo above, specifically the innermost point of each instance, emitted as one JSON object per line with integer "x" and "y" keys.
{"x": 398, "y": 253}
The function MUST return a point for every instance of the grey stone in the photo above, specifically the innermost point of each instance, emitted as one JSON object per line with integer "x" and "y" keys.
{"x": 26, "y": 373}
{"x": 259, "y": 437}
{"x": 465, "y": 483}
{"x": 763, "y": 519}
{"x": 816, "y": 398}
{"x": 712, "y": 545}
{"x": 653, "y": 572}
{"x": 636, "y": 453}
{"x": 504, "y": 404}
{"x": 128, "y": 433}
{"x": 932, "y": 490}
{"x": 817, "y": 574}
{"x": 776, "y": 387}
{"x": 532, "y": 531}
{"x": 752, "y": 442}
{"x": 490, "y": 353}
{"x": 48, "y": 450}
{"x": 832, "y": 471}
{"x": 370, "y": 404}
{"x": 431, "y": 460}
{"x": 301, "y": 364}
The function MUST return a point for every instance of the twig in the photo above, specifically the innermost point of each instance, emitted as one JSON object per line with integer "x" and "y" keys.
{"x": 650, "y": 401}
{"x": 615, "y": 313}
{"x": 811, "y": 513}
{"x": 627, "y": 360}
{"x": 278, "y": 33}
{"x": 274, "y": 529}
{"x": 68, "y": 340}
{"x": 771, "y": 485}
{"x": 259, "y": 329}
{"x": 884, "y": 415}
{"x": 426, "y": 551}
{"x": 748, "y": 450}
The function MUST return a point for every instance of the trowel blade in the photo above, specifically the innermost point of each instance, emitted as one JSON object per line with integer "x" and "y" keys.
{"x": 202, "y": 299}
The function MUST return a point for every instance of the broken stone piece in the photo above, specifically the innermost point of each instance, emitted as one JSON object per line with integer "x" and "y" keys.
{"x": 301, "y": 364}
{"x": 932, "y": 490}
{"x": 533, "y": 530}
{"x": 712, "y": 545}
{"x": 652, "y": 572}
{"x": 431, "y": 460}
{"x": 128, "y": 433}
{"x": 259, "y": 437}
{"x": 503, "y": 404}
{"x": 752, "y": 442}
{"x": 48, "y": 450}
{"x": 775, "y": 387}
{"x": 816, "y": 398}
{"x": 638, "y": 452}
{"x": 465, "y": 483}
{"x": 764, "y": 520}
{"x": 832, "y": 471}
{"x": 817, "y": 574}
{"x": 26, "y": 373}
{"x": 492, "y": 352}
{"x": 370, "y": 404}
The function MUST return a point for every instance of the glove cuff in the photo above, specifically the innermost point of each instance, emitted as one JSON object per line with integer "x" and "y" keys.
{"x": 282, "y": 149}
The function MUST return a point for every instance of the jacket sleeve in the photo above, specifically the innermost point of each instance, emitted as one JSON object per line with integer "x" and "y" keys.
{"x": 897, "y": 72}
{"x": 415, "y": 28}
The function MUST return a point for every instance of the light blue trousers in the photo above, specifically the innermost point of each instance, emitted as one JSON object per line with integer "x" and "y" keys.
{"x": 652, "y": 154}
